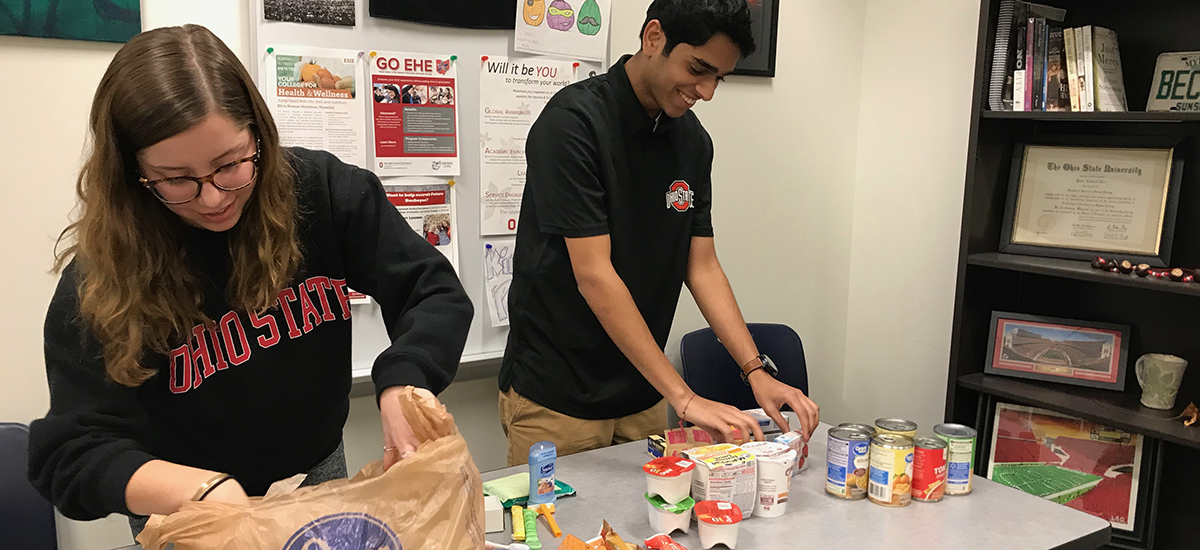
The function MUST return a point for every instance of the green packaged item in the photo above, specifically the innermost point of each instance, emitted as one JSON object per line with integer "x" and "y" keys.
{"x": 514, "y": 489}
{"x": 531, "y": 533}
{"x": 677, "y": 508}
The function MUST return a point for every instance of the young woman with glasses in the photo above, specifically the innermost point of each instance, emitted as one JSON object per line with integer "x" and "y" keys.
{"x": 198, "y": 344}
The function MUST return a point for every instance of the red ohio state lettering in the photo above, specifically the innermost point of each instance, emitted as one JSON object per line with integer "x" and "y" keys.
{"x": 321, "y": 285}
{"x": 229, "y": 324}
{"x": 180, "y": 362}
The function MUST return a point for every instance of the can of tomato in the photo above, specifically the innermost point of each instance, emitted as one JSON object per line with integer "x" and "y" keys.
{"x": 929, "y": 469}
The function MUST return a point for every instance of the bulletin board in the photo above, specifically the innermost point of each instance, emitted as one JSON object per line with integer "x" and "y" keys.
{"x": 484, "y": 342}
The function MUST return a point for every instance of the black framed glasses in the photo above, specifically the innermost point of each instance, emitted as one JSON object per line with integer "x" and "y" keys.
{"x": 229, "y": 177}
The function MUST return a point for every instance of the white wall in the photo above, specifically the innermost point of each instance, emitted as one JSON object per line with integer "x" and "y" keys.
{"x": 918, "y": 65}
{"x": 851, "y": 158}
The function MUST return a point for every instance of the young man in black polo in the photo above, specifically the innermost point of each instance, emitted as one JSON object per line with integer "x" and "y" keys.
{"x": 615, "y": 218}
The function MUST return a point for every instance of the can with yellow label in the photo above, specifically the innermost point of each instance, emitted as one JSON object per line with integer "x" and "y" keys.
{"x": 898, "y": 426}
{"x": 891, "y": 470}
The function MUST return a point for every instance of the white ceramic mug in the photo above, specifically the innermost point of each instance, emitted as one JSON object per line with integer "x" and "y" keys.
{"x": 1159, "y": 376}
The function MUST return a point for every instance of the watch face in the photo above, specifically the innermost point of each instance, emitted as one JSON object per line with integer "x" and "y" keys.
{"x": 769, "y": 365}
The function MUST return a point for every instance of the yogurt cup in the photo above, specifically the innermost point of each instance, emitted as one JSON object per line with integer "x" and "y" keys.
{"x": 719, "y": 522}
{"x": 795, "y": 440}
{"x": 669, "y": 478}
{"x": 667, "y": 518}
{"x": 775, "y": 464}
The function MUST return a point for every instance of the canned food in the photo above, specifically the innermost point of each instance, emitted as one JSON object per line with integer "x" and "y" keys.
{"x": 898, "y": 426}
{"x": 929, "y": 469}
{"x": 847, "y": 463}
{"x": 866, "y": 428}
{"x": 891, "y": 470}
{"x": 960, "y": 456}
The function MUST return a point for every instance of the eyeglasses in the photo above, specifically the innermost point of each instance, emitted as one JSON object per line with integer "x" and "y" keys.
{"x": 229, "y": 177}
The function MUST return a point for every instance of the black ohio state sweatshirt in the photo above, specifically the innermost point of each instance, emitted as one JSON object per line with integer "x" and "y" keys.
{"x": 262, "y": 397}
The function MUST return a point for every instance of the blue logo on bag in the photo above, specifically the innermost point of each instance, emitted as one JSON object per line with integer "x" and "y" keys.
{"x": 349, "y": 531}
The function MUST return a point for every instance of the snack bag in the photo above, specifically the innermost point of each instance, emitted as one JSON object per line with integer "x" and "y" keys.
{"x": 663, "y": 542}
{"x": 431, "y": 499}
{"x": 613, "y": 541}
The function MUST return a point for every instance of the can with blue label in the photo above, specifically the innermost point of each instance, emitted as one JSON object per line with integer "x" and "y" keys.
{"x": 847, "y": 462}
{"x": 960, "y": 456}
{"x": 891, "y": 470}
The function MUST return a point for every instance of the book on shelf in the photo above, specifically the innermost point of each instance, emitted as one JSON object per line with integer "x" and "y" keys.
{"x": 1085, "y": 93}
{"x": 1018, "y": 74}
{"x": 1089, "y": 75}
{"x": 1072, "y": 61}
{"x": 1106, "y": 63}
{"x": 1037, "y": 81}
{"x": 1003, "y": 75}
{"x": 1057, "y": 91}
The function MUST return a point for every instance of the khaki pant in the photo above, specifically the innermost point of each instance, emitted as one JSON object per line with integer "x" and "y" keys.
{"x": 526, "y": 423}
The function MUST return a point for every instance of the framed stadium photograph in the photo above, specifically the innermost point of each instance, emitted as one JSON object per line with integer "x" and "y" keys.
{"x": 1082, "y": 353}
{"x": 1097, "y": 469}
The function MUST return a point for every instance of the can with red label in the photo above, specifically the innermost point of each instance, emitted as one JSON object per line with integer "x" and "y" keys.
{"x": 929, "y": 469}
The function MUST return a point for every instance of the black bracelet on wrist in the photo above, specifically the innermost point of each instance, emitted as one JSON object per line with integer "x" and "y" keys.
{"x": 213, "y": 486}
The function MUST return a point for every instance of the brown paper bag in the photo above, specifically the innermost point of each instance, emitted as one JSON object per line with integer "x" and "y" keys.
{"x": 432, "y": 499}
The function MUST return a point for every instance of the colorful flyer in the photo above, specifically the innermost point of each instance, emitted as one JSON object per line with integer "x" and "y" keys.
{"x": 316, "y": 99}
{"x": 575, "y": 29}
{"x": 1086, "y": 466}
{"x": 429, "y": 210}
{"x": 512, "y": 94}
{"x": 497, "y": 277}
{"x": 415, "y": 114}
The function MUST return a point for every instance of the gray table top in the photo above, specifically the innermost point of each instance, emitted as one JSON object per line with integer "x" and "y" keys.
{"x": 610, "y": 485}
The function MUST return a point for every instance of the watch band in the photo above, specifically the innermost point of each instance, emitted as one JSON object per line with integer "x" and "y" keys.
{"x": 752, "y": 365}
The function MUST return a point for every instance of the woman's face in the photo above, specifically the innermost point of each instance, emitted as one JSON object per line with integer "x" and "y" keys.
{"x": 391, "y": 94}
{"x": 199, "y": 151}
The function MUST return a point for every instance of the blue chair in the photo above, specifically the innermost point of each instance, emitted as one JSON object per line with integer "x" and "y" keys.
{"x": 26, "y": 519}
{"x": 713, "y": 374}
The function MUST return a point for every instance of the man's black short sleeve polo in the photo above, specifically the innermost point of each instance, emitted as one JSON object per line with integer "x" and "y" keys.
{"x": 599, "y": 164}
{"x": 565, "y": 154}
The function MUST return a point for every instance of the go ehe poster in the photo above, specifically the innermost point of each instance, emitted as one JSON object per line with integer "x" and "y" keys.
{"x": 414, "y": 100}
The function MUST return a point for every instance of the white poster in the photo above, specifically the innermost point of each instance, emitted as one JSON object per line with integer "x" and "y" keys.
{"x": 497, "y": 276}
{"x": 428, "y": 206}
{"x": 575, "y": 29}
{"x": 512, "y": 94}
{"x": 316, "y": 99}
{"x": 414, "y": 114}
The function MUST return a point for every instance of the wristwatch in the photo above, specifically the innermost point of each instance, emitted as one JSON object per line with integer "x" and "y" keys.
{"x": 761, "y": 362}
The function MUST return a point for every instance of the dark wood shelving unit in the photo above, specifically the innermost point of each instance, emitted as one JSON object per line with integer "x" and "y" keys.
{"x": 1117, "y": 409}
{"x": 1132, "y": 116}
{"x": 1081, "y": 271}
{"x": 1164, "y": 315}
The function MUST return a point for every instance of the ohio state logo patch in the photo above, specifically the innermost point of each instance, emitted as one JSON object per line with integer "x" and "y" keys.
{"x": 680, "y": 196}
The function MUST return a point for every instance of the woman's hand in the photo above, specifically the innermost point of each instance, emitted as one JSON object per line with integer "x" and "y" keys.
{"x": 398, "y": 437}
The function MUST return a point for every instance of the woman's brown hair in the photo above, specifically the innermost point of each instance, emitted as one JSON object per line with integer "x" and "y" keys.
{"x": 136, "y": 289}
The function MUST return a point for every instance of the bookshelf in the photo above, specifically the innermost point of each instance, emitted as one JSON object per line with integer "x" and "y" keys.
{"x": 1165, "y": 316}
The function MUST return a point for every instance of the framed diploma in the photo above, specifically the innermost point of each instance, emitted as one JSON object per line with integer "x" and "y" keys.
{"x": 1078, "y": 198}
